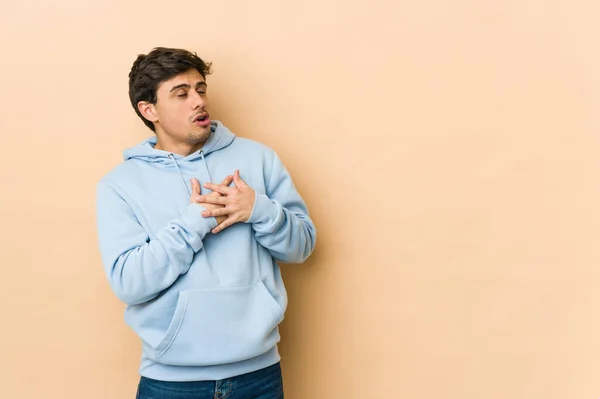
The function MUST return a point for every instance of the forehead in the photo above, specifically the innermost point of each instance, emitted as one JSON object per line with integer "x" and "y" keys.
{"x": 190, "y": 77}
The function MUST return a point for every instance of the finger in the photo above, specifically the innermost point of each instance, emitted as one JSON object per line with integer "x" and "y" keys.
{"x": 226, "y": 223}
{"x": 212, "y": 199}
{"x": 215, "y": 212}
{"x": 227, "y": 181}
{"x": 237, "y": 180}
{"x": 195, "y": 186}
{"x": 219, "y": 188}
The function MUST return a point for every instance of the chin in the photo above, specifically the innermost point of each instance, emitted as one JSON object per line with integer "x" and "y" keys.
{"x": 198, "y": 136}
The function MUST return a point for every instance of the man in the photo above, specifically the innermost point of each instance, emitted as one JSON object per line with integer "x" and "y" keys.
{"x": 195, "y": 260}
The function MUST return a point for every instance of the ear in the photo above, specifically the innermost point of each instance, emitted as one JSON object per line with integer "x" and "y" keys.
{"x": 148, "y": 111}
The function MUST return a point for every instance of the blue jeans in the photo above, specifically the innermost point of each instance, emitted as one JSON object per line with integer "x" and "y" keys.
{"x": 262, "y": 384}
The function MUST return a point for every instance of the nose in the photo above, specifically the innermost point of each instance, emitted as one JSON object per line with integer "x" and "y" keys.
{"x": 198, "y": 100}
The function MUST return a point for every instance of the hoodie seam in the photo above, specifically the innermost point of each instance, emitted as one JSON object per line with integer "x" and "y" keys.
{"x": 124, "y": 198}
{"x": 135, "y": 210}
{"x": 278, "y": 223}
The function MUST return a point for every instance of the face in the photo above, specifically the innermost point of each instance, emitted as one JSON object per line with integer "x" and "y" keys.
{"x": 180, "y": 114}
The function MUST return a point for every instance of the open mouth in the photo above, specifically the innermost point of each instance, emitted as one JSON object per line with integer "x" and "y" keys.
{"x": 202, "y": 120}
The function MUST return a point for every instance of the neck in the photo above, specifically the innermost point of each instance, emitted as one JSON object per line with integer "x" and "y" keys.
{"x": 183, "y": 149}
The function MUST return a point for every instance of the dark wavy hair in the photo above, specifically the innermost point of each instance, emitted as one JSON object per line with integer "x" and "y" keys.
{"x": 159, "y": 65}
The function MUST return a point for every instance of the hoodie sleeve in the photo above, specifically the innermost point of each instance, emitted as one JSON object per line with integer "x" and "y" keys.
{"x": 137, "y": 267}
{"x": 280, "y": 217}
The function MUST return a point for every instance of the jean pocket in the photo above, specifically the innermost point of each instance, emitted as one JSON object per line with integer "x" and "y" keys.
{"x": 218, "y": 326}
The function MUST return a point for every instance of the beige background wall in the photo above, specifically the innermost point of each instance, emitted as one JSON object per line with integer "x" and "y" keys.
{"x": 448, "y": 150}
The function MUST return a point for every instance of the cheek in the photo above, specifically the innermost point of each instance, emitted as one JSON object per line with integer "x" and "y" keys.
{"x": 172, "y": 116}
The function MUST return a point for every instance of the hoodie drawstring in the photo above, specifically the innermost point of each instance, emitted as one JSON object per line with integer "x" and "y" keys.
{"x": 181, "y": 175}
{"x": 205, "y": 166}
{"x": 185, "y": 185}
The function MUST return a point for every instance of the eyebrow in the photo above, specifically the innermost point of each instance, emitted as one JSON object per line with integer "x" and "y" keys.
{"x": 187, "y": 86}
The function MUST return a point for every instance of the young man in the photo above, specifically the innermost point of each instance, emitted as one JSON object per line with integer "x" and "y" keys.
{"x": 190, "y": 228}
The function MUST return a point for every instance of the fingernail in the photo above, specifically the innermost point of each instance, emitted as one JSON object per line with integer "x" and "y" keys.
{"x": 198, "y": 198}
{"x": 205, "y": 184}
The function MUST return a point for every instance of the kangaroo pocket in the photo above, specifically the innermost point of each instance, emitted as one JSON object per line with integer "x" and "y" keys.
{"x": 218, "y": 326}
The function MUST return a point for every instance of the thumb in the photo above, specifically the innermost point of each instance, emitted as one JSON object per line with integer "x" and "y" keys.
{"x": 237, "y": 180}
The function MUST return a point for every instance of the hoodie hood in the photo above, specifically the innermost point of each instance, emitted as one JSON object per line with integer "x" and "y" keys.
{"x": 220, "y": 138}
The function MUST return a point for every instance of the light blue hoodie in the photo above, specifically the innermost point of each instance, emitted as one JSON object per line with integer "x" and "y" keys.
{"x": 206, "y": 306}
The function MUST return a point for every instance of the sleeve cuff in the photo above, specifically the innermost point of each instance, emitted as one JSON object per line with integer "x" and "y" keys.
{"x": 193, "y": 220}
{"x": 266, "y": 215}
